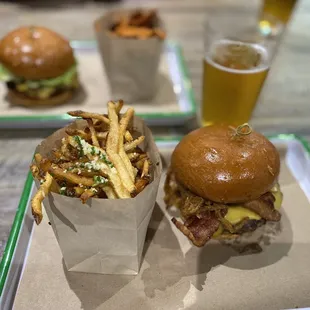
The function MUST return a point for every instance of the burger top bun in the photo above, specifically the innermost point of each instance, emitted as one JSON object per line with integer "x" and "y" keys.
{"x": 36, "y": 53}
{"x": 220, "y": 165}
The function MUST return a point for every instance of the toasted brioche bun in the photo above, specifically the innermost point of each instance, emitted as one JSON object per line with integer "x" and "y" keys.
{"x": 36, "y": 53}
{"x": 17, "y": 98}
{"x": 217, "y": 166}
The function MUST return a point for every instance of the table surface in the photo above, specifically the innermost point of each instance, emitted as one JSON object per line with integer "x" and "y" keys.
{"x": 284, "y": 104}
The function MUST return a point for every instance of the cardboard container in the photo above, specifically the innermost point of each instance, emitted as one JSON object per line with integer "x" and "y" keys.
{"x": 130, "y": 64}
{"x": 176, "y": 275}
{"x": 104, "y": 235}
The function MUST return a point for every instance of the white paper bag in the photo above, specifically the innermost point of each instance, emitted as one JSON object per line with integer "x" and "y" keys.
{"x": 130, "y": 64}
{"x": 104, "y": 235}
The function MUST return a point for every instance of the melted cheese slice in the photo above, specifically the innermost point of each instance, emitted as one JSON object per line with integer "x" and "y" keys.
{"x": 219, "y": 231}
{"x": 236, "y": 214}
{"x": 279, "y": 198}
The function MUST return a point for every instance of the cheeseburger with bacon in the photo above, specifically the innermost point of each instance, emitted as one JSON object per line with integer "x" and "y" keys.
{"x": 224, "y": 181}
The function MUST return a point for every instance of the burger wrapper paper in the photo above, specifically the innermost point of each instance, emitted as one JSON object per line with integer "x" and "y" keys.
{"x": 130, "y": 64}
{"x": 176, "y": 275}
{"x": 104, "y": 235}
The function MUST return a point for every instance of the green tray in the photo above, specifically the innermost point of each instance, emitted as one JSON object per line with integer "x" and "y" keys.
{"x": 182, "y": 104}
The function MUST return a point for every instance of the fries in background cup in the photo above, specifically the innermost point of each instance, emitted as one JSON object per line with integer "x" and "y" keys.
{"x": 130, "y": 43}
{"x": 138, "y": 24}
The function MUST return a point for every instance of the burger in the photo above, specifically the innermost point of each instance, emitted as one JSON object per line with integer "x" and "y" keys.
{"x": 38, "y": 66}
{"x": 224, "y": 181}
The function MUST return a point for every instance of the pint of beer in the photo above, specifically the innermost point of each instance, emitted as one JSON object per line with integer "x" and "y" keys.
{"x": 281, "y": 9}
{"x": 234, "y": 73}
{"x": 235, "y": 65}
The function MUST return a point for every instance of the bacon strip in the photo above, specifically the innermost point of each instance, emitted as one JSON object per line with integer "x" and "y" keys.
{"x": 198, "y": 229}
{"x": 264, "y": 207}
{"x": 202, "y": 218}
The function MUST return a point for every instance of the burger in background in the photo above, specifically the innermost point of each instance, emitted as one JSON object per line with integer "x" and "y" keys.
{"x": 224, "y": 181}
{"x": 38, "y": 66}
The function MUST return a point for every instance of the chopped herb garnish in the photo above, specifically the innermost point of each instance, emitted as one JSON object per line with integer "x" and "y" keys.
{"x": 99, "y": 180}
{"x": 62, "y": 191}
{"x": 104, "y": 158}
{"x": 80, "y": 146}
{"x": 93, "y": 151}
{"x": 86, "y": 148}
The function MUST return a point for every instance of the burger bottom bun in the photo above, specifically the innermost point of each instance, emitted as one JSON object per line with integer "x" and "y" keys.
{"x": 17, "y": 98}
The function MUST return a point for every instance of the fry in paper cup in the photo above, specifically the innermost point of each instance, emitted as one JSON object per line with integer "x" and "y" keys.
{"x": 130, "y": 44}
{"x": 98, "y": 179}
{"x": 139, "y": 24}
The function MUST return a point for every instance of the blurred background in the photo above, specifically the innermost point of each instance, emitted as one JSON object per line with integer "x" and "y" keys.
{"x": 285, "y": 92}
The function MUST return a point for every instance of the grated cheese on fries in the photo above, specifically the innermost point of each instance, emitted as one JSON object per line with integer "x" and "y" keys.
{"x": 102, "y": 161}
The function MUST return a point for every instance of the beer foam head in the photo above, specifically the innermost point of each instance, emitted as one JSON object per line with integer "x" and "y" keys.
{"x": 238, "y": 57}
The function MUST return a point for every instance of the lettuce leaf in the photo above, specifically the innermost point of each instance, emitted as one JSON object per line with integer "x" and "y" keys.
{"x": 5, "y": 74}
{"x": 64, "y": 79}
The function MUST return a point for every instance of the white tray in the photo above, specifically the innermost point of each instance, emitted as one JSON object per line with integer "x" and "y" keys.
{"x": 174, "y": 103}
{"x": 173, "y": 275}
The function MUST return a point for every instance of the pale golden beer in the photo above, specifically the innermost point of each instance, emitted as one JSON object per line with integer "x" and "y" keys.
{"x": 281, "y": 9}
{"x": 233, "y": 75}
{"x": 237, "y": 57}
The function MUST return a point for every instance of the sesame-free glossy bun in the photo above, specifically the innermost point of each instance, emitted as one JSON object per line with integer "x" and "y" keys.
{"x": 218, "y": 166}
{"x": 36, "y": 53}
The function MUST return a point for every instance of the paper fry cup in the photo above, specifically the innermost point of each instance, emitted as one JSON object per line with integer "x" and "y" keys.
{"x": 131, "y": 65}
{"x": 104, "y": 235}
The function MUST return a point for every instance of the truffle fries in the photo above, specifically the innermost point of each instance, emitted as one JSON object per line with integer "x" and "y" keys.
{"x": 103, "y": 160}
{"x": 141, "y": 24}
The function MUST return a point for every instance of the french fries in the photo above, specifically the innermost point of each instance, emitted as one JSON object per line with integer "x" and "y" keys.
{"x": 145, "y": 169}
{"x": 87, "y": 115}
{"x": 113, "y": 149}
{"x": 129, "y": 146}
{"x": 101, "y": 161}
{"x": 118, "y": 106}
{"x": 139, "y": 25}
{"x": 122, "y": 131}
{"x": 93, "y": 133}
{"x": 36, "y": 202}
{"x": 128, "y": 136}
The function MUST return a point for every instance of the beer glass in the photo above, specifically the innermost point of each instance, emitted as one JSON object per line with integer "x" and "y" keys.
{"x": 236, "y": 62}
{"x": 281, "y": 9}
{"x": 273, "y": 11}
